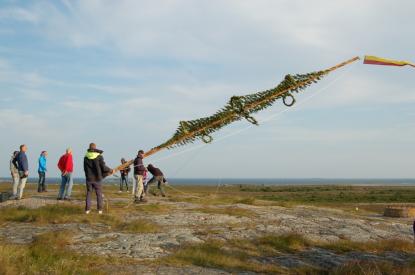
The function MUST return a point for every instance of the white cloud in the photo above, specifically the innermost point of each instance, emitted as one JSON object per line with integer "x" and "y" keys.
{"x": 93, "y": 107}
{"x": 18, "y": 14}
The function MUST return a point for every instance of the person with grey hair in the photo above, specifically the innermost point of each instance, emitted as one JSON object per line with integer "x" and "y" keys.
{"x": 14, "y": 171}
{"x": 65, "y": 165}
{"x": 22, "y": 164}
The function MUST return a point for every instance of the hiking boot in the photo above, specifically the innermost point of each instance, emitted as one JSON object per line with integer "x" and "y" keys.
{"x": 143, "y": 200}
{"x": 87, "y": 212}
{"x": 100, "y": 212}
{"x": 67, "y": 199}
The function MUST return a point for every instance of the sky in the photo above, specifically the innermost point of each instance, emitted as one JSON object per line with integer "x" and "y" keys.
{"x": 123, "y": 73}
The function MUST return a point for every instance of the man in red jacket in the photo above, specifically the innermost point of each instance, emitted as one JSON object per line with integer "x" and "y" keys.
{"x": 65, "y": 165}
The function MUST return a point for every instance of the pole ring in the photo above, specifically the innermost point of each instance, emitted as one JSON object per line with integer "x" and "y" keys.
{"x": 207, "y": 138}
{"x": 251, "y": 119}
{"x": 290, "y": 103}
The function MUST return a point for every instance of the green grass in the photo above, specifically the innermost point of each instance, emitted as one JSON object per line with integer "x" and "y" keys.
{"x": 138, "y": 226}
{"x": 48, "y": 254}
{"x": 240, "y": 254}
{"x": 333, "y": 194}
{"x": 372, "y": 247}
{"x": 373, "y": 268}
{"x": 60, "y": 214}
{"x": 42, "y": 215}
{"x": 213, "y": 254}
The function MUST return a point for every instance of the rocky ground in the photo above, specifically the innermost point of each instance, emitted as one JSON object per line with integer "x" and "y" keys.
{"x": 189, "y": 222}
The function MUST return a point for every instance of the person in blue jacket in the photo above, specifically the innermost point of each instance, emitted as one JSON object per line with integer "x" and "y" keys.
{"x": 20, "y": 161}
{"x": 41, "y": 187}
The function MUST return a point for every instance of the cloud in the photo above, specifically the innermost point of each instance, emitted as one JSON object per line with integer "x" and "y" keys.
{"x": 93, "y": 107}
{"x": 18, "y": 14}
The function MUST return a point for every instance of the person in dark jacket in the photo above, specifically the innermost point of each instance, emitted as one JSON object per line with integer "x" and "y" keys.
{"x": 95, "y": 171}
{"x": 124, "y": 176}
{"x": 157, "y": 177}
{"x": 139, "y": 171}
{"x": 20, "y": 161}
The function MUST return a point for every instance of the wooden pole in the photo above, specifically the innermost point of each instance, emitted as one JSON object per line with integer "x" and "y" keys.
{"x": 231, "y": 116}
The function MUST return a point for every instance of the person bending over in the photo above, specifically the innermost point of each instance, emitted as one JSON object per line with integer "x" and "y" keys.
{"x": 158, "y": 177}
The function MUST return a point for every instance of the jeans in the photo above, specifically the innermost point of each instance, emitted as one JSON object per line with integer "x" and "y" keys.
{"x": 138, "y": 187}
{"x": 15, "y": 177}
{"x": 41, "y": 187}
{"x": 160, "y": 183}
{"x": 98, "y": 191}
{"x": 124, "y": 180}
{"x": 66, "y": 180}
{"x": 21, "y": 185}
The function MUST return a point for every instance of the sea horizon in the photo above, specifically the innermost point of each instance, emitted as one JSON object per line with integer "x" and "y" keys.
{"x": 255, "y": 181}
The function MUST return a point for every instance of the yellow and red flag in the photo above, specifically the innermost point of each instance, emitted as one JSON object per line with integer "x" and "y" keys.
{"x": 374, "y": 60}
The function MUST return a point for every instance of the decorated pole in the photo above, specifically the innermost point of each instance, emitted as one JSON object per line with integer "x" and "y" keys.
{"x": 241, "y": 107}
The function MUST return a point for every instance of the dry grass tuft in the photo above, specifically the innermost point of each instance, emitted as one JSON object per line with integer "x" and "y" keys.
{"x": 213, "y": 254}
{"x": 48, "y": 254}
{"x": 372, "y": 247}
{"x": 138, "y": 226}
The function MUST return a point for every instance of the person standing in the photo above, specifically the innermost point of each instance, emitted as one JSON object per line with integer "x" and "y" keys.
{"x": 124, "y": 176}
{"x": 41, "y": 187}
{"x": 65, "y": 165}
{"x": 95, "y": 171}
{"x": 14, "y": 173}
{"x": 22, "y": 164}
{"x": 158, "y": 177}
{"x": 139, "y": 170}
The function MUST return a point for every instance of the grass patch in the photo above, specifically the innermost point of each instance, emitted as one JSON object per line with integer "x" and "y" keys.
{"x": 288, "y": 243}
{"x": 138, "y": 226}
{"x": 60, "y": 214}
{"x": 231, "y": 211}
{"x": 48, "y": 254}
{"x": 213, "y": 254}
{"x": 373, "y": 268}
{"x": 153, "y": 208}
{"x": 242, "y": 254}
{"x": 42, "y": 215}
{"x": 372, "y": 247}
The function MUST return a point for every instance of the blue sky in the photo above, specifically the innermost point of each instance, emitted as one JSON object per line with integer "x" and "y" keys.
{"x": 123, "y": 73}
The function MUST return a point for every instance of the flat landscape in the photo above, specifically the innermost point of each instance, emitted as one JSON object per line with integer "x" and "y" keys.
{"x": 238, "y": 229}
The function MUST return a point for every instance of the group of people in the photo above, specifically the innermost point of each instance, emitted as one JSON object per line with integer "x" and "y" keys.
{"x": 141, "y": 183}
{"x": 95, "y": 171}
{"x": 19, "y": 169}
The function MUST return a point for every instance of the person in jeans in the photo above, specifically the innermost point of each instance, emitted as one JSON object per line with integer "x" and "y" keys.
{"x": 41, "y": 187}
{"x": 95, "y": 171}
{"x": 20, "y": 161}
{"x": 158, "y": 178}
{"x": 65, "y": 165}
{"x": 139, "y": 171}
{"x": 124, "y": 176}
{"x": 14, "y": 173}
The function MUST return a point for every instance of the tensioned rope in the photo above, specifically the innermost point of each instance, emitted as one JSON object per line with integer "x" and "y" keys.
{"x": 266, "y": 120}
{"x": 240, "y": 107}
